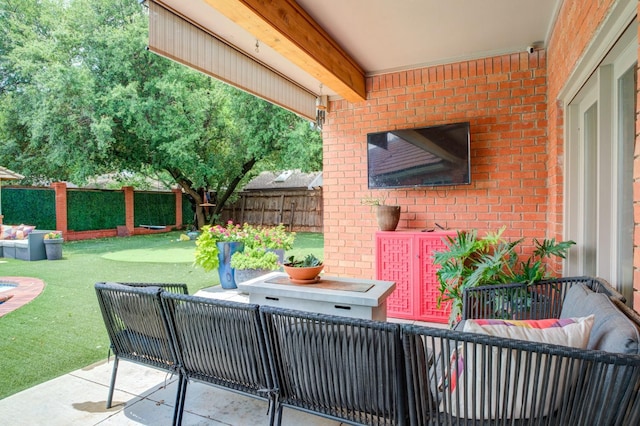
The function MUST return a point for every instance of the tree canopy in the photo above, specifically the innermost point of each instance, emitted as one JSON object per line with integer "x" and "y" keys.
{"x": 81, "y": 95}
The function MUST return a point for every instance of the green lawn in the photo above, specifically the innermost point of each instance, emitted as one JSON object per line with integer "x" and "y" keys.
{"x": 62, "y": 329}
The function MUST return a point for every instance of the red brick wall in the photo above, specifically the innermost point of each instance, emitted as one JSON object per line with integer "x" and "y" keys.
{"x": 517, "y": 144}
{"x": 503, "y": 97}
{"x": 61, "y": 217}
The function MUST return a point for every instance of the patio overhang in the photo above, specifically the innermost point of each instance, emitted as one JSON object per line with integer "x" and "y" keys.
{"x": 181, "y": 40}
{"x": 290, "y": 52}
{"x": 293, "y": 33}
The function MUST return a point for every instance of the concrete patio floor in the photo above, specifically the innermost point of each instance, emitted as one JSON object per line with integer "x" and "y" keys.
{"x": 143, "y": 396}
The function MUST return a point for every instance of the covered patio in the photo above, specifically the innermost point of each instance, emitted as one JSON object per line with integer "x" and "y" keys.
{"x": 529, "y": 78}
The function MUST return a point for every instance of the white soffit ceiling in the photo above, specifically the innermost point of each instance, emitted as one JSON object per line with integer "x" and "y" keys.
{"x": 392, "y": 35}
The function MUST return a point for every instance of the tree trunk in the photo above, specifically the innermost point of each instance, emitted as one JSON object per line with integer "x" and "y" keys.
{"x": 221, "y": 201}
{"x": 187, "y": 186}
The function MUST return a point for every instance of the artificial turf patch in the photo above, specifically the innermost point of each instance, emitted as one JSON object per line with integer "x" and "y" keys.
{"x": 154, "y": 255}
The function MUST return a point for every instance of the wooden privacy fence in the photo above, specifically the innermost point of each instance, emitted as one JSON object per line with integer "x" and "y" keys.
{"x": 299, "y": 210}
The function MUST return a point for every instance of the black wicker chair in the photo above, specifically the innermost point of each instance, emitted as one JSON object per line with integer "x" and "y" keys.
{"x": 220, "y": 343}
{"x": 179, "y": 288}
{"x": 138, "y": 327}
{"x": 463, "y": 378}
{"x": 345, "y": 369}
{"x": 540, "y": 300}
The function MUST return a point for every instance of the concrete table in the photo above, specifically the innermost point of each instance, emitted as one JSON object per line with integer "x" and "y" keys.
{"x": 348, "y": 297}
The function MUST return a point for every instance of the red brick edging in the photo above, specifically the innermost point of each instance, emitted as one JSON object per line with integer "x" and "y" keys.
{"x": 28, "y": 289}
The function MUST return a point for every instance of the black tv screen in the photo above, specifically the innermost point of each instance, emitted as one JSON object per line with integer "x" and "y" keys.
{"x": 426, "y": 156}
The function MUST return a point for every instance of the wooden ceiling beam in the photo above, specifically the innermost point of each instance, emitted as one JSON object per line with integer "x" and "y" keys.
{"x": 285, "y": 27}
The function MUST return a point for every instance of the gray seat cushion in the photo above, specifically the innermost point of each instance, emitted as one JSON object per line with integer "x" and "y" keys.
{"x": 612, "y": 331}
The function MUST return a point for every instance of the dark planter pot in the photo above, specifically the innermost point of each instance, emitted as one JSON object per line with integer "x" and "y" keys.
{"x": 242, "y": 275}
{"x": 225, "y": 271}
{"x": 280, "y": 253}
{"x": 388, "y": 217}
{"x": 53, "y": 248}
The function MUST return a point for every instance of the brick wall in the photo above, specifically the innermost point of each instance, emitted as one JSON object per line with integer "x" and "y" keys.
{"x": 125, "y": 230}
{"x": 503, "y": 97}
{"x": 517, "y": 130}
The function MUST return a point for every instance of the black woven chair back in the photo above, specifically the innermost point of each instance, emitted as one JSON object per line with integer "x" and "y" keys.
{"x": 342, "y": 368}
{"x": 136, "y": 324}
{"x": 221, "y": 342}
{"x": 179, "y": 288}
{"x": 542, "y": 299}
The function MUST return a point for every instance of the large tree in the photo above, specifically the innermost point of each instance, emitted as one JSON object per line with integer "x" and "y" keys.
{"x": 80, "y": 95}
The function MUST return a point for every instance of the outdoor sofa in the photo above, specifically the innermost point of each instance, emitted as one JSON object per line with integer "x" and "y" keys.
{"x": 380, "y": 373}
{"x": 22, "y": 242}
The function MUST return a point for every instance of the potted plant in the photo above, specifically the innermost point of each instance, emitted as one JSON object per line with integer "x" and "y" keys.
{"x": 470, "y": 261}
{"x": 387, "y": 216}
{"x": 217, "y": 244}
{"x": 275, "y": 239}
{"x": 305, "y": 270}
{"x": 254, "y": 262}
{"x": 53, "y": 245}
{"x": 214, "y": 248}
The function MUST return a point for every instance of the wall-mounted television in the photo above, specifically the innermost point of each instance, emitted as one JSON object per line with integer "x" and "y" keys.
{"x": 425, "y": 156}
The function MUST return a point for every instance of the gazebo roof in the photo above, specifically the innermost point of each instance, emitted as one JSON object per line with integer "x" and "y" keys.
{"x": 8, "y": 174}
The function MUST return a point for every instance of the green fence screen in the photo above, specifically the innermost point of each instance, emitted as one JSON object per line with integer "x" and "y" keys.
{"x": 91, "y": 210}
{"x": 154, "y": 208}
{"x": 29, "y": 206}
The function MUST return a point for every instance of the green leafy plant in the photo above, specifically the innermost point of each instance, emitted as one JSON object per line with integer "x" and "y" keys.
{"x": 207, "y": 249}
{"x": 469, "y": 261}
{"x": 308, "y": 261}
{"x": 373, "y": 201}
{"x": 255, "y": 258}
{"x": 253, "y": 237}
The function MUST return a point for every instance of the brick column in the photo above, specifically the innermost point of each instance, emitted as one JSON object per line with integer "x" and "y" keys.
{"x": 61, "y": 206}
{"x": 128, "y": 208}
{"x": 178, "y": 194}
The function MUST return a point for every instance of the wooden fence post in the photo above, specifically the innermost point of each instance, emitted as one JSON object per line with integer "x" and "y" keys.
{"x": 293, "y": 211}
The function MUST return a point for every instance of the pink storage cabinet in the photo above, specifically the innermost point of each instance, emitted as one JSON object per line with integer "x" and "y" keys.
{"x": 406, "y": 257}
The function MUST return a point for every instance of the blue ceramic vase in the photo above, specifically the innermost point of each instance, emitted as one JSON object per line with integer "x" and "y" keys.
{"x": 225, "y": 271}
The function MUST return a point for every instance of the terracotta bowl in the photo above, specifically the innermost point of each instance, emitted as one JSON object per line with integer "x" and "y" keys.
{"x": 304, "y": 273}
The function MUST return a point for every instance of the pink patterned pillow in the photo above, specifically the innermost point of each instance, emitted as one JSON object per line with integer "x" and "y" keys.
{"x": 9, "y": 232}
{"x": 23, "y": 231}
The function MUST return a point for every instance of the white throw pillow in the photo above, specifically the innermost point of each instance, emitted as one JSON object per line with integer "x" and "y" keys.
{"x": 511, "y": 384}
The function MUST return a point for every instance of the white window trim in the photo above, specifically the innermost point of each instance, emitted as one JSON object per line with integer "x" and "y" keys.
{"x": 600, "y": 88}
